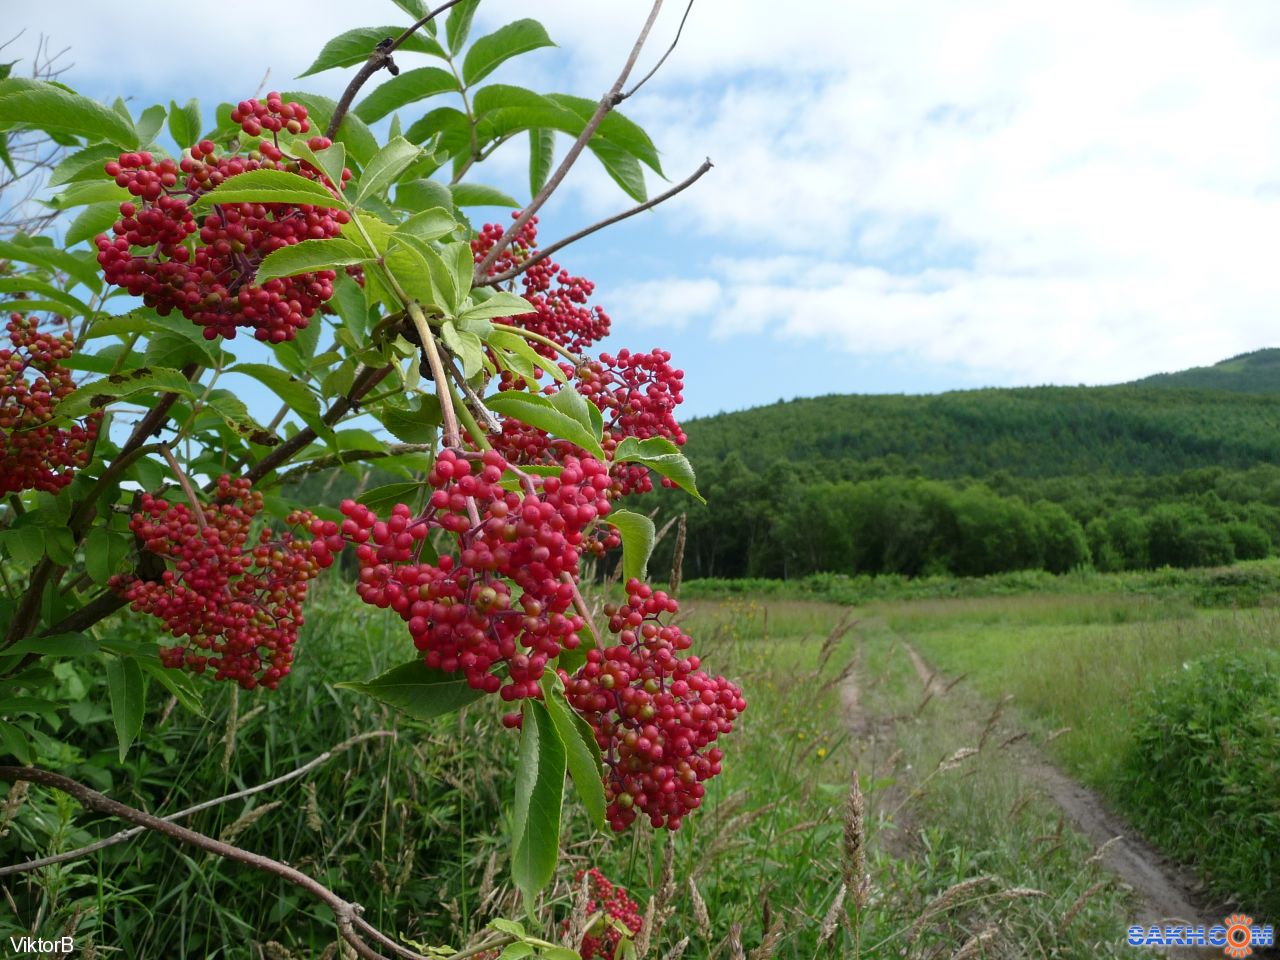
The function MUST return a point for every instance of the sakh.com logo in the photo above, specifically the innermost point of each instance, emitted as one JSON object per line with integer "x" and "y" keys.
{"x": 1237, "y": 935}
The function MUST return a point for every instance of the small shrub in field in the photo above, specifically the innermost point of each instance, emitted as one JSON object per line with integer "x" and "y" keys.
{"x": 1202, "y": 776}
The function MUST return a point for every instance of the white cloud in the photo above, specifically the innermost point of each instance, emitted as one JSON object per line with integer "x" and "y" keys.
{"x": 1080, "y": 192}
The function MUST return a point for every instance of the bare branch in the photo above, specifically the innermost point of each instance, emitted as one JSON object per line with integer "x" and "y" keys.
{"x": 586, "y": 232}
{"x": 381, "y": 57}
{"x": 607, "y": 103}
{"x": 663, "y": 59}
{"x": 347, "y": 914}
{"x": 124, "y": 835}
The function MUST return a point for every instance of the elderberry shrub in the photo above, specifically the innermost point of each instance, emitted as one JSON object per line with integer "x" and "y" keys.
{"x": 35, "y": 455}
{"x": 504, "y": 591}
{"x": 204, "y": 266}
{"x": 653, "y": 713}
{"x": 234, "y": 602}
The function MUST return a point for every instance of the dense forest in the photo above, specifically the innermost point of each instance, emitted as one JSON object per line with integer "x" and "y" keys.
{"x": 1165, "y": 471}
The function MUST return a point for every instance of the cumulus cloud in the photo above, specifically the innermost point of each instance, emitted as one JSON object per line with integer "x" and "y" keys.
{"x": 1036, "y": 192}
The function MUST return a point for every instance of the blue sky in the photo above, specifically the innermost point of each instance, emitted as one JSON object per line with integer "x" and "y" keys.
{"x": 907, "y": 198}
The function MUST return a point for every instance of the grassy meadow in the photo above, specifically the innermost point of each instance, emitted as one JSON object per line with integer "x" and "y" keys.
{"x": 948, "y": 846}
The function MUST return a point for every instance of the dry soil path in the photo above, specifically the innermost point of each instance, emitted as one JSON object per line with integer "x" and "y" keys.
{"x": 1165, "y": 891}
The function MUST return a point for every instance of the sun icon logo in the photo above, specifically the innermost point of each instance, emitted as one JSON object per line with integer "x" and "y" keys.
{"x": 1239, "y": 935}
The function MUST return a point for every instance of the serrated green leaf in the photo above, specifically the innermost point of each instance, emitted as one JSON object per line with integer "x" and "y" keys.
{"x": 98, "y": 393}
{"x": 418, "y": 691}
{"x": 661, "y": 456}
{"x": 268, "y": 186}
{"x": 61, "y": 645}
{"x": 184, "y": 123}
{"x": 50, "y": 107}
{"x": 127, "y": 691}
{"x": 581, "y": 750}
{"x": 24, "y": 544}
{"x": 448, "y": 123}
{"x": 467, "y": 347}
{"x": 480, "y": 195}
{"x": 381, "y": 499}
{"x": 181, "y": 684}
{"x": 542, "y": 155}
{"x": 385, "y": 166}
{"x": 83, "y": 267}
{"x": 94, "y": 219}
{"x": 104, "y": 552}
{"x": 27, "y": 284}
{"x": 295, "y": 393}
{"x": 458, "y": 24}
{"x": 149, "y": 124}
{"x": 308, "y": 257}
{"x": 16, "y": 742}
{"x": 622, "y": 167}
{"x": 524, "y": 358}
{"x": 491, "y": 51}
{"x": 423, "y": 195}
{"x": 539, "y": 797}
{"x": 542, "y": 412}
{"x": 410, "y": 87}
{"x": 412, "y": 270}
{"x": 502, "y": 304}
{"x": 90, "y": 191}
{"x": 355, "y": 46}
{"x": 616, "y": 128}
{"x": 518, "y": 951}
{"x": 431, "y": 224}
{"x": 637, "y": 532}
{"x": 415, "y": 425}
{"x": 83, "y": 164}
{"x": 329, "y": 161}
{"x": 414, "y": 8}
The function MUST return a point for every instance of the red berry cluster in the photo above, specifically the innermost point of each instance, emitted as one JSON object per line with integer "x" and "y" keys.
{"x": 204, "y": 266}
{"x": 619, "y": 914}
{"x": 653, "y": 713}
{"x": 234, "y": 602}
{"x": 559, "y": 299}
{"x": 33, "y": 454}
{"x": 461, "y": 609}
{"x": 637, "y": 393}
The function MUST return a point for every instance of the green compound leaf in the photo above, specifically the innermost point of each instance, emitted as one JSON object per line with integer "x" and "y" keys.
{"x": 542, "y": 154}
{"x": 637, "y": 532}
{"x": 268, "y": 186}
{"x": 308, "y": 257}
{"x": 491, "y": 51}
{"x": 539, "y": 797}
{"x": 417, "y": 690}
{"x": 538, "y": 411}
{"x": 47, "y": 106}
{"x": 354, "y": 46}
{"x": 663, "y": 457}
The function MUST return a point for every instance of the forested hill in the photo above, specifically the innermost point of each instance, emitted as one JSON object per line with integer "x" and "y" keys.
{"x": 1162, "y": 425}
{"x": 1257, "y": 372}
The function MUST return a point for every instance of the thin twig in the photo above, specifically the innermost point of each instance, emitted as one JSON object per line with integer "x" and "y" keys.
{"x": 124, "y": 835}
{"x": 379, "y": 58}
{"x": 663, "y": 59}
{"x": 346, "y": 913}
{"x": 607, "y": 103}
{"x": 586, "y": 232}
{"x": 183, "y": 482}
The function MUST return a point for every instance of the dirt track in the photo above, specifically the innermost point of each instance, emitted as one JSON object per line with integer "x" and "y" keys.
{"x": 1163, "y": 889}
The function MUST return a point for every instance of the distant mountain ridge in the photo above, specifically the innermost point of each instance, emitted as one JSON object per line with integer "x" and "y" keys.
{"x": 1226, "y": 415}
{"x": 1255, "y": 372}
